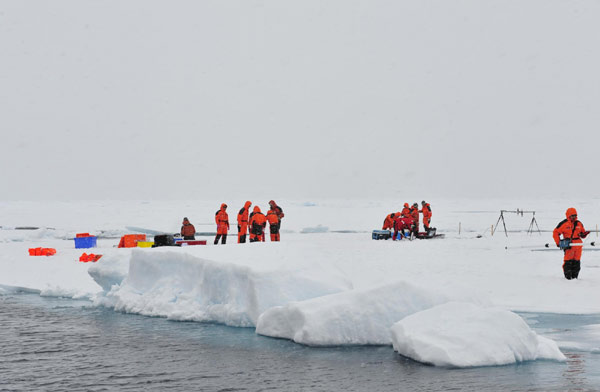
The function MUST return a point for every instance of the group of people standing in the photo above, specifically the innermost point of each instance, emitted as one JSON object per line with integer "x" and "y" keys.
{"x": 254, "y": 223}
{"x": 408, "y": 219}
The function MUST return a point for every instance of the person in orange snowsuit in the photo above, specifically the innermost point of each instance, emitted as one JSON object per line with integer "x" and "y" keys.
{"x": 257, "y": 223}
{"x": 242, "y": 220}
{"x": 414, "y": 214}
{"x": 279, "y": 212}
{"x": 222, "y": 220}
{"x": 388, "y": 222}
{"x": 406, "y": 210}
{"x": 571, "y": 229}
{"x": 274, "y": 223}
{"x": 426, "y": 211}
{"x": 188, "y": 231}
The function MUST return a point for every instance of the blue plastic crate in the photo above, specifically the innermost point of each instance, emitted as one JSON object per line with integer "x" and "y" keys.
{"x": 85, "y": 242}
{"x": 381, "y": 234}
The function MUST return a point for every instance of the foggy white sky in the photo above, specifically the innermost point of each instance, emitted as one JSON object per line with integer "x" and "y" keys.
{"x": 298, "y": 99}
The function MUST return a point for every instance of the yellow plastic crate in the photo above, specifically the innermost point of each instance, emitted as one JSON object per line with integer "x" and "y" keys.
{"x": 145, "y": 244}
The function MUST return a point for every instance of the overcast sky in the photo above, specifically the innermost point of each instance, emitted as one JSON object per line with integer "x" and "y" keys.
{"x": 299, "y": 99}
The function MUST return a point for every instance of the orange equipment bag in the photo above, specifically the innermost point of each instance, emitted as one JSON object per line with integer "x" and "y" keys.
{"x": 131, "y": 240}
{"x": 84, "y": 258}
{"x": 42, "y": 251}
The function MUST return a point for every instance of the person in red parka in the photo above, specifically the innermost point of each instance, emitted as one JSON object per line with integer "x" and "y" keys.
{"x": 402, "y": 224}
{"x": 274, "y": 221}
{"x": 573, "y": 230}
{"x": 188, "y": 231}
{"x": 242, "y": 220}
{"x": 257, "y": 223}
{"x": 222, "y": 220}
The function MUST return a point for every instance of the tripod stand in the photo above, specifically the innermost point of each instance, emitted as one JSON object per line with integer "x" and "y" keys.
{"x": 501, "y": 217}
{"x": 530, "y": 230}
{"x": 518, "y": 212}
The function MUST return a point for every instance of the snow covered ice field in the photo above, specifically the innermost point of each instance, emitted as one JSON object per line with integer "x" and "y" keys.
{"x": 326, "y": 283}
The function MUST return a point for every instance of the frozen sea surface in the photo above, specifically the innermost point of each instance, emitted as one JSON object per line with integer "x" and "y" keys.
{"x": 59, "y": 344}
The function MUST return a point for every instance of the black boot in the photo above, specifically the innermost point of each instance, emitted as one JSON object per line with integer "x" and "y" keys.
{"x": 576, "y": 267}
{"x": 568, "y": 269}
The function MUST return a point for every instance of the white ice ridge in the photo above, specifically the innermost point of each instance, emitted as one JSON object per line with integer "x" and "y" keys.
{"x": 111, "y": 271}
{"x": 459, "y": 334}
{"x": 354, "y": 317}
{"x": 182, "y": 286}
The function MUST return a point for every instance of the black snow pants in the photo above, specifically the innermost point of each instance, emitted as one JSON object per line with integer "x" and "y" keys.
{"x": 571, "y": 269}
{"x": 223, "y": 241}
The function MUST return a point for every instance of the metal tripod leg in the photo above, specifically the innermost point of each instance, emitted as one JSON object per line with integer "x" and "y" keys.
{"x": 503, "y": 223}
{"x": 530, "y": 230}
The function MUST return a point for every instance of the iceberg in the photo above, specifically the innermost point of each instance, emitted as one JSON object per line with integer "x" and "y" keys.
{"x": 458, "y": 334}
{"x": 356, "y": 317}
{"x": 182, "y": 286}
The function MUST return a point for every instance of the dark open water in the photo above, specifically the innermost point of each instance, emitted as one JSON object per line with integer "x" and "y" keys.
{"x": 53, "y": 344}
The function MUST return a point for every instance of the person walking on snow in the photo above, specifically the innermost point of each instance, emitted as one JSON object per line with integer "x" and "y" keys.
{"x": 426, "y": 211}
{"x": 257, "y": 223}
{"x": 222, "y": 220}
{"x": 242, "y": 219}
{"x": 571, "y": 229}
{"x": 188, "y": 231}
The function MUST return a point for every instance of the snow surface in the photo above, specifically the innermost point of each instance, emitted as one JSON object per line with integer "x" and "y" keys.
{"x": 462, "y": 335}
{"x": 316, "y": 288}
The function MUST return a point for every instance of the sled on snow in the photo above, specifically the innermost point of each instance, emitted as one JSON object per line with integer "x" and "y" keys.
{"x": 427, "y": 235}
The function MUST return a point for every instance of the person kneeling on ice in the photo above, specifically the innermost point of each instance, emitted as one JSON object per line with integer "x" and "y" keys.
{"x": 388, "y": 222}
{"x": 403, "y": 226}
{"x": 572, "y": 232}
{"x": 222, "y": 220}
{"x": 188, "y": 231}
{"x": 257, "y": 223}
